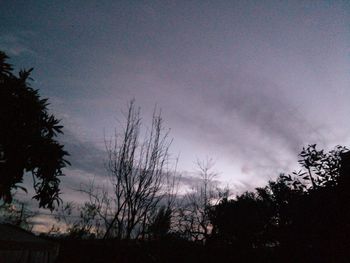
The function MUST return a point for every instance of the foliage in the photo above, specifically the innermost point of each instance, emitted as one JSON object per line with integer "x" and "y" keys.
{"x": 321, "y": 168}
{"x": 291, "y": 211}
{"x": 27, "y": 138}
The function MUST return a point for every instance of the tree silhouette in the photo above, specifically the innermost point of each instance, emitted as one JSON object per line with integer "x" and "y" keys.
{"x": 27, "y": 139}
{"x": 307, "y": 211}
{"x": 138, "y": 167}
{"x": 161, "y": 223}
{"x": 243, "y": 221}
{"x": 194, "y": 213}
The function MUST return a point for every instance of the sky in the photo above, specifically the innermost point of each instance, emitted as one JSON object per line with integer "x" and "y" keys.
{"x": 246, "y": 83}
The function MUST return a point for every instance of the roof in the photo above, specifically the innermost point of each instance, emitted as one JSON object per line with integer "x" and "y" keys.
{"x": 13, "y": 237}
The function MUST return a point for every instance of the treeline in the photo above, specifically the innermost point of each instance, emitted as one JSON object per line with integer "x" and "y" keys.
{"x": 302, "y": 217}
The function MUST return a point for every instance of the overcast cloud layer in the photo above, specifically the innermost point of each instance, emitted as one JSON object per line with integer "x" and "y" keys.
{"x": 245, "y": 82}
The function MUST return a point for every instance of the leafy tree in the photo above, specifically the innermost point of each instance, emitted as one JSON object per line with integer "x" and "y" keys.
{"x": 28, "y": 142}
{"x": 242, "y": 221}
{"x": 307, "y": 211}
{"x": 319, "y": 167}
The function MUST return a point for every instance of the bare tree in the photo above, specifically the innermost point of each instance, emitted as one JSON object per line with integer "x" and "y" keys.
{"x": 194, "y": 222}
{"x": 138, "y": 168}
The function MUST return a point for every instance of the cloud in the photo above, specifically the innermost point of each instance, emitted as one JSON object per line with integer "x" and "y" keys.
{"x": 87, "y": 166}
{"x": 247, "y": 118}
{"x": 83, "y": 155}
{"x": 250, "y": 121}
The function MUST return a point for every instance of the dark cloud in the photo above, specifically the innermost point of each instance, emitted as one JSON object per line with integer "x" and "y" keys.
{"x": 84, "y": 155}
{"x": 248, "y": 118}
{"x": 188, "y": 179}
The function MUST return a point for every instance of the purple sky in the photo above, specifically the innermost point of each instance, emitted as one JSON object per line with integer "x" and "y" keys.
{"x": 247, "y": 83}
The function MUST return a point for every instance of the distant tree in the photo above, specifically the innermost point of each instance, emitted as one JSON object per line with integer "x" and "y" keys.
{"x": 27, "y": 139}
{"x": 79, "y": 221}
{"x": 194, "y": 221}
